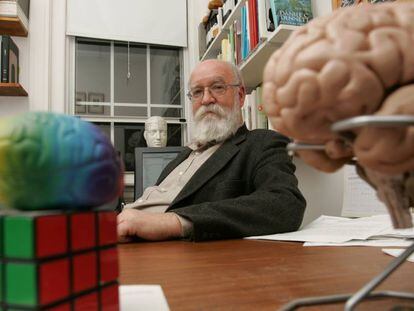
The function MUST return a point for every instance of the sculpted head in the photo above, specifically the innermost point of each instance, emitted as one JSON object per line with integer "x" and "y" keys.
{"x": 156, "y": 132}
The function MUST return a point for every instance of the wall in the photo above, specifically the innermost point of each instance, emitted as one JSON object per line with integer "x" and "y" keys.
{"x": 42, "y": 61}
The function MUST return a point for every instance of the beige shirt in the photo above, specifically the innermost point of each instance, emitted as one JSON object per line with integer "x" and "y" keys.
{"x": 156, "y": 199}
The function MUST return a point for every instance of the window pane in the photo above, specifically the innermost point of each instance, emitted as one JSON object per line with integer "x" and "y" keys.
{"x": 134, "y": 88}
{"x": 92, "y": 73}
{"x": 174, "y": 135}
{"x": 98, "y": 110}
{"x": 131, "y": 111}
{"x": 166, "y": 112}
{"x": 127, "y": 137}
{"x": 165, "y": 76}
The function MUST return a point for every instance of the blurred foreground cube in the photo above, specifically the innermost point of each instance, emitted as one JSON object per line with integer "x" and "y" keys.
{"x": 58, "y": 260}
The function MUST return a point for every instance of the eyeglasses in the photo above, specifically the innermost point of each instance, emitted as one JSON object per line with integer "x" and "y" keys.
{"x": 216, "y": 89}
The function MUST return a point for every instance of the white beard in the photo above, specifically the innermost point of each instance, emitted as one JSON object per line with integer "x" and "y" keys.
{"x": 215, "y": 123}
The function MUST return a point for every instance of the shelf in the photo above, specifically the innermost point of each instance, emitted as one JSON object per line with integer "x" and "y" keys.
{"x": 252, "y": 67}
{"x": 215, "y": 46}
{"x": 12, "y": 26}
{"x": 12, "y": 89}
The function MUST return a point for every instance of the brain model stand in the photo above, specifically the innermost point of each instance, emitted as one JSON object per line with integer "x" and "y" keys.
{"x": 58, "y": 251}
{"x": 342, "y": 87}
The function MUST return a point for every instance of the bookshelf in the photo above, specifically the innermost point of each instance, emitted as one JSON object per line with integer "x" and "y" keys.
{"x": 214, "y": 48}
{"x": 252, "y": 67}
{"x": 13, "y": 22}
{"x": 12, "y": 89}
{"x": 12, "y": 26}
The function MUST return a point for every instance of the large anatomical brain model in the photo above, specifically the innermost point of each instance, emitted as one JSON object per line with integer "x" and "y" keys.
{"x": 356, "y": 61}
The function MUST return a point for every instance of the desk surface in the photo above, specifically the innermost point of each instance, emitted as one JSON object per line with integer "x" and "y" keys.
{"x": 257, "y": 275}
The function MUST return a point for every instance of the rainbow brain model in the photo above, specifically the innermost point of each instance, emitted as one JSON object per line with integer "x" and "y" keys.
{"x": 52, "y": 161}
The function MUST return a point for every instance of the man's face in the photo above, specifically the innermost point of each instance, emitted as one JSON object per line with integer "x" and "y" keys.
{"x": 206, "y": 79}
{"x": 156, "y": 135}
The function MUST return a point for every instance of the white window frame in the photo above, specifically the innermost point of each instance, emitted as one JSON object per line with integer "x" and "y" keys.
{"x": 111, "y": 120}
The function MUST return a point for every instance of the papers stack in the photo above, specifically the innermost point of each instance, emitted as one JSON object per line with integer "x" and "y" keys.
{"x": 339, "y": 231}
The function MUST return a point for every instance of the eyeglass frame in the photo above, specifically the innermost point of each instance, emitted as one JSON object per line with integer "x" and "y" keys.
{"x": 226, "y": 85}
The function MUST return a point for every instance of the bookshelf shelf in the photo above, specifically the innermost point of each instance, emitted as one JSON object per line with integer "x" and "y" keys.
{"x": 12, "y": 89}
{"x": 12, "y": 26}
{"x": 252, "y": 67}
{"x": 214, "y": 48}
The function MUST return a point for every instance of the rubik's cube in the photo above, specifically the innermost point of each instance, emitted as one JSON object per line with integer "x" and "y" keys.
{"x": 58, "y": 260}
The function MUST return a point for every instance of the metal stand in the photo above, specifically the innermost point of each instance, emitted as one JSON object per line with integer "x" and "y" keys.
{"x": 365, "y": 292}
{"x": 343, "y": 128}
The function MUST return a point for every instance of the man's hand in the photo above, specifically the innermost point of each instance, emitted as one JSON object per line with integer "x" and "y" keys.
{"x": 147, "y": 226}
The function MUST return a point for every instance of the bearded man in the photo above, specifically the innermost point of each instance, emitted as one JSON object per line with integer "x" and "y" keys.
{"x": 229, "y": 183}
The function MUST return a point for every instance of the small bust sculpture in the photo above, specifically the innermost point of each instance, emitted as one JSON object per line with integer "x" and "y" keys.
{"x": 156, "y": 132}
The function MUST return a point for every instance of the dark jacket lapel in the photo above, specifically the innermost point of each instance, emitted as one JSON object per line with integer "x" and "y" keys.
{"x": 213, "y": 165}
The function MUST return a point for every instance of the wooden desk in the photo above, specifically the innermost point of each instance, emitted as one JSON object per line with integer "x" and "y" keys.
{"x": 257, "y": 275}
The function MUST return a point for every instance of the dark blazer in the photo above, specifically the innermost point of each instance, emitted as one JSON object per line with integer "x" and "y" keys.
{"x": 247, "y": 187}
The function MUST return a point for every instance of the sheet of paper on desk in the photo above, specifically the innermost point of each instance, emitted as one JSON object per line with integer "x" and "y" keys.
{"x": 142, "y": 298}
{"x": 397, "y": 252}
{"x": 331, "y": 229}
{"x": 392, "y": 242}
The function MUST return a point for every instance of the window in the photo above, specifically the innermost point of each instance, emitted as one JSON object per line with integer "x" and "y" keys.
{"x": 118, "y": 85}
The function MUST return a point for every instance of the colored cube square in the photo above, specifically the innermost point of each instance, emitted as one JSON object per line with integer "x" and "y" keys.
{"x": 54, "y": 281}
{"x": 1, "y": 235}
{"x": 85, "y": 272}
{"x": 108, "y": 265}
{"x": 33, "y": 284}
{"x": 21, "y": 280}
{"x": 107, "y": 228}
{"x": 1, "y": 281}
{"x": 87, "y": 302}
{"x": 82, "y": 231}
{"x": 33, "y": 235}
{"x": 110, "y": 298}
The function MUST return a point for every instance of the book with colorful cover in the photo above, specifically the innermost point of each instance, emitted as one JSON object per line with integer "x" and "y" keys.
{"x": 291, "y": 12}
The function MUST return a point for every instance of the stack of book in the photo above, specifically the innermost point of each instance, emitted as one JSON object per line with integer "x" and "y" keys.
{"x": 252, "y": 110}
{"x": 9, "y": 60}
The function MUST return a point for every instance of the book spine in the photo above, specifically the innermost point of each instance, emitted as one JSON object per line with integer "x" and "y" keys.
{"x": 13, "y": 62}
{"x": 5, "y": 42}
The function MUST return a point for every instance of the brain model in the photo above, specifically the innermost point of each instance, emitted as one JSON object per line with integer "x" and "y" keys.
{"x": 337, "y": 67}
{"x": 50, "y": 161}
{"x": 357, "y": 61}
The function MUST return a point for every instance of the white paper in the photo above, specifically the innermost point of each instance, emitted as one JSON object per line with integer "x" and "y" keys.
{"x": 374, "y": 243}
{"x": 331, "y": 229}
{"x": 396, "y": 252}
{"x": 360, "y": 198}
{"x": 142, "y": 298}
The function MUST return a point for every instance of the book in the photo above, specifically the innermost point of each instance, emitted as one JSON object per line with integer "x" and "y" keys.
{"x": 16, "y": 8}
{"x": 9, "y": 60}
{"x": 291, "y": 12}
{"x": 263, "y": 29}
